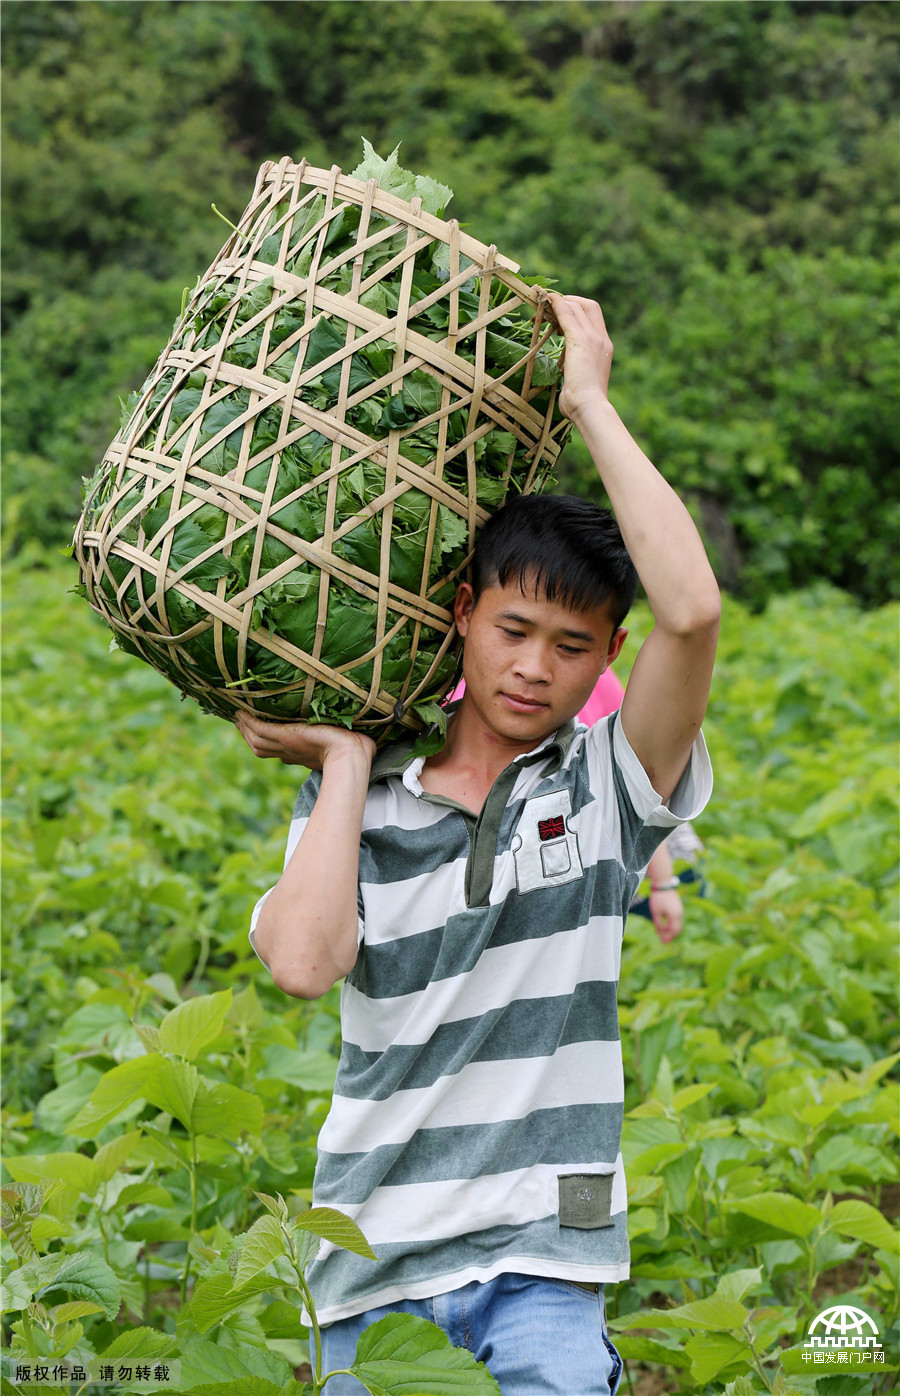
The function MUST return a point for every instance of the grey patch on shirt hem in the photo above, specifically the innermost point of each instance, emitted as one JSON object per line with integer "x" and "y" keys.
{"x": 584, "y": 1200}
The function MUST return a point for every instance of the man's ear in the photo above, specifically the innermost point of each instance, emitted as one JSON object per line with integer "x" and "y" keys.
{"x": 615, "y": 645}
{"x": 463, "y": 606}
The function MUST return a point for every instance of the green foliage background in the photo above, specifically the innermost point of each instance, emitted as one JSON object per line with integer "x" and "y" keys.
{"x": 720, "y": 177}
{"x": 761, "y": 1048}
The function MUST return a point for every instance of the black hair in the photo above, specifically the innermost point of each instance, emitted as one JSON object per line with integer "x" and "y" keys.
{"x": 567, "y": 547}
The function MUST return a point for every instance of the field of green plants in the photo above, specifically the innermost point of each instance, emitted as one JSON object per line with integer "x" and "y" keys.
{"x": 721, "y": 178}
{"x": 161, "y": 1095}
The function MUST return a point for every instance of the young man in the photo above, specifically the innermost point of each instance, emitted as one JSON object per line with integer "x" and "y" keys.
{"x": 475, "y": 903}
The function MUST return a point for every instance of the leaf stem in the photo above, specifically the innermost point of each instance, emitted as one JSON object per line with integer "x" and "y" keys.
{"x": 224, "y": 219}
{"x": 103, "y": 1236}
{"x": 194, "y": 1163}
{"x": 187, "y": 1267}
{"x": 703, "y": 1200}
{"x": 306, "y": 1294}
{"x": 202, "y": 957}
{"x": 754, "y": 1355}
{"x": 811, "y": 1273}
{"x": 637, "y": 1062}
{"x": 147, "y": 1287}
{"x": 28, "y": 1333}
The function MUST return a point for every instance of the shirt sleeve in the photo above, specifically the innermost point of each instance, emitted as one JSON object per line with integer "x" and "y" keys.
{"x": 303, "y": 808}
{"x": 644, "y": 820}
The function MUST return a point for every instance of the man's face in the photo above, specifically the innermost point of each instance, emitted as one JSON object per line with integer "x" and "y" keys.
{"x": 530, "y": 664}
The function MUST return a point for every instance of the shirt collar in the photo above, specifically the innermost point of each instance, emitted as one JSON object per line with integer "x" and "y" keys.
{"x": 395, "y": 759}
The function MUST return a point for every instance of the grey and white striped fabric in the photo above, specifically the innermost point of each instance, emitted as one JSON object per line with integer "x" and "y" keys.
{"x": 477, "y": 1113}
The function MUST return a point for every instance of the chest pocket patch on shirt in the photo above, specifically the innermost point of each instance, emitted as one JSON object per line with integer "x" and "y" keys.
{"x": 545, "y": 849}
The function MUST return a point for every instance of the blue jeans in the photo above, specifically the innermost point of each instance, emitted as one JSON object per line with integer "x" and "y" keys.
{"x": 536, "y": 1336}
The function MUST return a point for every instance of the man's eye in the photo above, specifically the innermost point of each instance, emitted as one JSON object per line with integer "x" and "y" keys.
{"x": 571, "y": 649}
{"x": 516, "y": 634}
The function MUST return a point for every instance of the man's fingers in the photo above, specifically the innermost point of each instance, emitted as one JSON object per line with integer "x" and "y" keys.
{"x": 575, "y": 310}
{"x": 255, "y": 724}
{"x": 272, "y": 732}
{"x": 564, "y": 311}
{"x": 256, "y": 733}
{"x": 258, "y": 745}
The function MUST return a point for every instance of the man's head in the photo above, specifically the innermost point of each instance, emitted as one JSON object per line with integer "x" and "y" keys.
{"x": 567, "y": 548}
{"x": 541, "y": 620}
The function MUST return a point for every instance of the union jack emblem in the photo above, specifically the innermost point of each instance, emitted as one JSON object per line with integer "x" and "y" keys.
{"x": 551, "y": 828}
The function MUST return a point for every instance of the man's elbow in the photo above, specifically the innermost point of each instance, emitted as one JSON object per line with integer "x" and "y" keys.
{"x": 699, "y": 617}
{"x": 307, "y": 981}
{"x": 300, "y": 988}
{"x": 305, "y": 957}
{"x": 709, "y": 613}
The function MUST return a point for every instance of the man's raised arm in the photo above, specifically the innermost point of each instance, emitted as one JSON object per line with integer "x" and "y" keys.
{"x": 667, "y": 693}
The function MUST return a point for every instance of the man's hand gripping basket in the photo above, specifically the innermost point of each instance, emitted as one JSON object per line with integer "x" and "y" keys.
{"x": 349, "y": 394}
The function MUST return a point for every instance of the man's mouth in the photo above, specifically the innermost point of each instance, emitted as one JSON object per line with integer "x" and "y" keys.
{"x": 521, "y": 704}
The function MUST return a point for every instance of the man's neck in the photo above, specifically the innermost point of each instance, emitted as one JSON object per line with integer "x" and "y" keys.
{"x": 472, "y": 758}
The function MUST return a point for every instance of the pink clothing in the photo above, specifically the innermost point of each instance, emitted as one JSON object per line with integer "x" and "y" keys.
{"x": 606, "y": 697}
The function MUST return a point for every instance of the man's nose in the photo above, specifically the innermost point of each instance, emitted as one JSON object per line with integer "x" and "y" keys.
{"x": 533, "y": 664}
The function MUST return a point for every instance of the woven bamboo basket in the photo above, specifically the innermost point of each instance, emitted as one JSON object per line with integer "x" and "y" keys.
{"x": 282, "y": 520}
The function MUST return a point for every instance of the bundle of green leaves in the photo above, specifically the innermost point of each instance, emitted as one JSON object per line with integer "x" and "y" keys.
{"x": 178, "y": 424}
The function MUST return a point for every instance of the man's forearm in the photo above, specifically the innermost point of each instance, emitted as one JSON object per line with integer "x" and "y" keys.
{"x": 659, "y": 869}
{"x": 307, "y": 929}
{"x": 658, "y": 531}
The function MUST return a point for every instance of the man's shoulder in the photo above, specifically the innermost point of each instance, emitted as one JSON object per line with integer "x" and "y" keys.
{"x": 390, "y": 760}
{"x": 591, "y": 743}
{"x": 572, "y": 745}
{"x": 393, "y": 759}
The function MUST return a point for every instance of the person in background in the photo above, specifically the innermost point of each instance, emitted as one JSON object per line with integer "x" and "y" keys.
{"x": 663, "y": 903}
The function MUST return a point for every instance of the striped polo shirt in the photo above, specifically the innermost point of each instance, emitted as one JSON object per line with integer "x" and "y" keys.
{"x": 476, "y": 1122}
